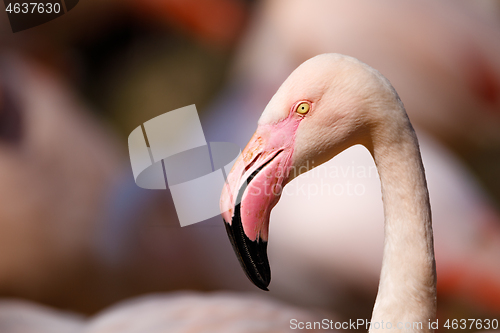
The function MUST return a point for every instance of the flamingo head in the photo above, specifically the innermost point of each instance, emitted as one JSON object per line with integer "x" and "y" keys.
{"x": 326, "y": 105}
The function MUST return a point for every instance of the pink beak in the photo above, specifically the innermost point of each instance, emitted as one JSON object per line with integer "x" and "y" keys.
{"x": 253, "y": 188}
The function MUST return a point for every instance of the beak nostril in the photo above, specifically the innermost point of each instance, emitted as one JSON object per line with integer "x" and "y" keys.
{"x": 252, "y": 176}
{"x": 252, "y": 163}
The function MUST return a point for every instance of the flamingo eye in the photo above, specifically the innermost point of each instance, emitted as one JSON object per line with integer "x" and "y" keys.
{"x": 303, "y": 108}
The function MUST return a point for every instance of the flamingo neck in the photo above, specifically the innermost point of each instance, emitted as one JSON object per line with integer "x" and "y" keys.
{"x": 407, "y": 288}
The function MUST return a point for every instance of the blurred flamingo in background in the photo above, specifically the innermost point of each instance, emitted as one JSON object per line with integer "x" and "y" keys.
{"x": 71, "y": 214}
{"x": 177, "y": 312}
{"x": 52, "y": 198}
{"x": 23, "y": 316}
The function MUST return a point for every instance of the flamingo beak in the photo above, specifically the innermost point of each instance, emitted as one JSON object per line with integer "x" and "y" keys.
{"x": 253, "y": 188}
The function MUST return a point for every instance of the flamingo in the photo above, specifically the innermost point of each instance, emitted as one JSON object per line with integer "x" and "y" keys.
{"x": 171, "y": 312}
{"x": 437, "y": 80}
{"x": 27, "y": 317}
{"x": 329, "y": 103}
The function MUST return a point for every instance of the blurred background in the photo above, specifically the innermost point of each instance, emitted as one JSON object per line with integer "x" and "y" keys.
{"x": 77, "y": 234}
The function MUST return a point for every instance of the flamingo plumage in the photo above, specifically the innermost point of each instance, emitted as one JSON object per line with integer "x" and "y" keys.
{"x": 224, "y": 312}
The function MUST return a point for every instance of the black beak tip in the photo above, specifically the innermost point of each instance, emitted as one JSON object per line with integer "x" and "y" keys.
{"x": 262, "y": 287}
{"x": 260, "y": 276}
{"x": 252, "y": 255}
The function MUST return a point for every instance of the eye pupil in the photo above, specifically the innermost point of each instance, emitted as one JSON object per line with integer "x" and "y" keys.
{"x": 303, "y": 108}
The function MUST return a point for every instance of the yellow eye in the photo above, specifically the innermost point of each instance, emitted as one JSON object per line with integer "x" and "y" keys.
{"x": 303, "y": 108}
